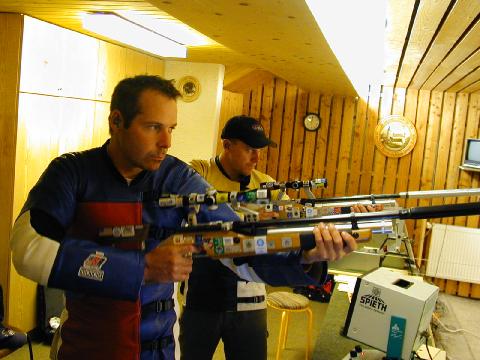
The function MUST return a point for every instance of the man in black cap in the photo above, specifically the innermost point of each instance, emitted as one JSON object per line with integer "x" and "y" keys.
{"x": 230, "y": 308}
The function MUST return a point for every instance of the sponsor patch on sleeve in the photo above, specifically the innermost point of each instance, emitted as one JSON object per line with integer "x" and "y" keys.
{"x": 92, "y": 267}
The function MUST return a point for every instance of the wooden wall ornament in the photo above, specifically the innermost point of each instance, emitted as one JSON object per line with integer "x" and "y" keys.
{"x": 189, "y": 88}
{"x": 395, "y": 136}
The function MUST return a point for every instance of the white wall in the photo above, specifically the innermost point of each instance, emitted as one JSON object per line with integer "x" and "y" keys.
{"x": 196, "y": 133}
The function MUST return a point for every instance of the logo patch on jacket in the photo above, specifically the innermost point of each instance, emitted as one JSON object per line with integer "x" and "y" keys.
{"x": 92, "y": 266}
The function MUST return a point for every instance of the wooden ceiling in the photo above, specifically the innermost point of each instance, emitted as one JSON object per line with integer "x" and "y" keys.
{"x": 430, "y": 44}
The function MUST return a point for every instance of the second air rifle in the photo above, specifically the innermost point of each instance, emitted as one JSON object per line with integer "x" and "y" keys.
{"x": 238, "y": 238}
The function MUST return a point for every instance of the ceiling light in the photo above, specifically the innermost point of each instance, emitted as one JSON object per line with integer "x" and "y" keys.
{"x": 117, "y": 28}
{"x": 169, "y": 27}
{"x": 355, "y": 31}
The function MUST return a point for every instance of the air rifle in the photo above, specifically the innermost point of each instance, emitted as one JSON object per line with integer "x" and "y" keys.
{"x": 232, "y": 239}
{"x": 263, "y": 195}
{"x": 309, "y": 207}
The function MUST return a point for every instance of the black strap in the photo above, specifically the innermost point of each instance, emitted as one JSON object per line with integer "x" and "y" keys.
{"x": 244, "y": 181}
{"x": 157, "y": 344}
{"x": 251, "y": 299}
{"x": 159, "y": 306}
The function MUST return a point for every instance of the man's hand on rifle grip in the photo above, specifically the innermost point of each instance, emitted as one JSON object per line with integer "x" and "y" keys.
{"x": 168, "y": 262}
{"x": 330, "y": 244}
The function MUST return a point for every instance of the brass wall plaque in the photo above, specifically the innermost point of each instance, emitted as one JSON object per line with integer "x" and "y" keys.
{"x": 395, "y": 136}
{"x": 189, "y": 87}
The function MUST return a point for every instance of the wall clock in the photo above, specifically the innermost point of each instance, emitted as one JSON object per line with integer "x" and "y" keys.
{"x": 189, "y": 88}
{"x": 311, "y": 121}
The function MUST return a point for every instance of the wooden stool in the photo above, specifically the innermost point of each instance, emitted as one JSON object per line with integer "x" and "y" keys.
{"x": 288, "y": 303}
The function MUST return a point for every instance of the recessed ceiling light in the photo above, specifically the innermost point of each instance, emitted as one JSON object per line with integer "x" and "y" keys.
{"x": 116, "y": 27}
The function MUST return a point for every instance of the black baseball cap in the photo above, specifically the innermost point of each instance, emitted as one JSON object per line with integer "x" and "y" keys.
{"x": 248, "y": 130}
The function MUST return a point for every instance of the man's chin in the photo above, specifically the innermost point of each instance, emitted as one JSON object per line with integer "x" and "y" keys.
{"x": 153, "y": 165}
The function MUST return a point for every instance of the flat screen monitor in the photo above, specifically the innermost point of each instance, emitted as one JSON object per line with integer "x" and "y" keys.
{"x": 472, "y": 153}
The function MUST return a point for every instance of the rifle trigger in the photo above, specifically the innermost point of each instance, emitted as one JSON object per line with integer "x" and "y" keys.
{"x": 354, "y": 222}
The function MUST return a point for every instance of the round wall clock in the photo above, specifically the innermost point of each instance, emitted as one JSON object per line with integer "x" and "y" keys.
{"x": 311, "y": 121}
{"x": 395, "y": 136}
{"x": 189, "y": 88}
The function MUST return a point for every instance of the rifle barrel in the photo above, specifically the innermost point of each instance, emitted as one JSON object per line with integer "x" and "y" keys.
{"x": 423, "y": 194}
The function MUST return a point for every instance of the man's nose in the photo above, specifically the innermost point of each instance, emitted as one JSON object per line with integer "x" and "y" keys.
{"x": 255, "y": 154}
{"x": 164, "y": 139}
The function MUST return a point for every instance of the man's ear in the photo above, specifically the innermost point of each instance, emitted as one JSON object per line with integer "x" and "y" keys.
{"x": 226, "y": 144}
{"x": 115, "y": 118}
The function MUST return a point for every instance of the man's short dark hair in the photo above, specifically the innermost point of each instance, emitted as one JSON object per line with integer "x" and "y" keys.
{"x": 127, "y": 92}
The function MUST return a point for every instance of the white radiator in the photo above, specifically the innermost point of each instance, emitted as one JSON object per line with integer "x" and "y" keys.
{"x": 454, "y": 253}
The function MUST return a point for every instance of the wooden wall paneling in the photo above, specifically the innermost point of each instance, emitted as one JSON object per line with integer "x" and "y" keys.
{"x": 135, "y": 63}
{"x": 296, "y": 163}
{"x": 345, "y": 147}
{"x": 319, "y": 166}
{"x": 232, "y": 104}
{"x": 78, "y": 52}
{"x": 463, "y": 289}
{"x": 471, "y": 131}
{"x": 358, "y": 146}
{"x": 451, "y": 287}
{"x": 276, "y": 127}
{"x": 444, "y": 145}
{"x": 441, "y": 283}
{"x": 475, "y": 291}
{"x": 474, "y": 118}
{"x": 430, "y": 158}
{"x": 42, "y": 123}
{"x": 456, "y": 147}
{"x": 256, "y": 102}
{"x": 380, "y": 159}
{"x": 414, "y": 181}
{"x": 474, "y": 221}
{"x": 265, "y": 119}
{"x": 155, "y": 66}
{"x": 411, "y": 99}
{"x": 461, "y": 15}
{"x": 111, "y": 69}
{"x": 431, "y": 144}
{"x": 77, "y": 119}
{"x": 309, "y": 154}
{"x": 287, "y": 132}
{"x": 404, "y": 162}
{"x": 100, "y": 123}
{"x": 42, "y": 66}
{"x": 11, "y": 29}
{"x": 391, "y": 165}
{"x": 38, "y": 129}
{"x": 247, "y": 98}
{"x": 369, "y": 150}
{"x": 333, "y": 143}
{"x": 421, "y": 122}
